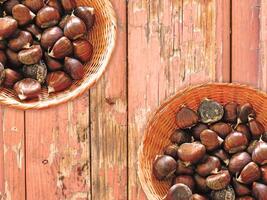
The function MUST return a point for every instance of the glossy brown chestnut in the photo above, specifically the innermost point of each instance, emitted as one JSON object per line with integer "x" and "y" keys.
{"x": 242, "y": 128}
{"x": 211, "y": 165}
{"x": 50, "y": 36}
{"x": 191, "y": 153}
{"x": 252, "y": 145}
{"x": 235, "y": 142}
{"x": 230, "y": 112}
{"x": 68, "y": 5}
{"x": 56, "y": 4}
{"x": 22, "y": 41}
{"x": 47, "y": 17}
{"x": 259, "y": 154}
{"x": 186, "y": 118}
{"x": 198, "y": 197}
{"x": 180, "y": 136}
{"x": 8, "y": 26}
{"x": 238, "y": 161}
{"x": 256, "y": 128}
{"x": 2, "y": 74}
{"x": 164, "y": 167}
{"x": 11, "y": 77}
{"x": 34, "y": 5}
{"x": 8, "y": 5}
{"x": 3, "y": 58}
{"x": 221, "y": 128}
{"x": 246, "y": 110}
{"x": 250, "y": 173}
{"x": 27, "y": 89}
{"x": 52, "y": 64}
{"x": 36, "y": 71}
{"x": 63, "y": 21}
{"x": 75, "y": 28}
{"x": 31, "y": 55}
{"x": 171, "y": 150}
{"x": 259, "y": 191}
{"x": 201, "y": 183}
{"x": 197, "y": 129}
{"x": 182, "y": 169}
{"x": 210, "y": 139}
{"x": 34, "y": 30}
{"x": 240, "y": 189}
{"x": 12, "y": 58}
{"x": 58, "y": 81}
{"x": 210, "y": 111}
{"x": 179, "y": 192}
{"x": 74, "y": 68}
{"x": 226, "y": 194}
{"x": 62, "y": 48}
{"x": 185, "y": 179}
{"x": 87, "y": 14}
{"x": 83, "y": 50}
{"x": 22, "y": 14}
{"x": 222, "y": 155}
{"x": 219, "y": 181}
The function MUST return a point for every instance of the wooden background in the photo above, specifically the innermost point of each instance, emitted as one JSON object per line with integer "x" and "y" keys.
{"x": 87, "y": 149}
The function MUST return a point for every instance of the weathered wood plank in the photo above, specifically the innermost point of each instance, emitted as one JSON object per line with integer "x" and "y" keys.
{"x": 109, "y": 122}
{"x": 57, "y": 152}
{"x": 12, "y": 159}
{"x": 171, "y": 44}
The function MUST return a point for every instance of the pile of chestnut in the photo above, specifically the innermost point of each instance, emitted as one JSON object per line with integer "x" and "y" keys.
{"x": 43, "y": 43}
{"x": 218, "y": 153}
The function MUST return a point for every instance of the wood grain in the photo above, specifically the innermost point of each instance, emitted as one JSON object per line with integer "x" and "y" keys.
{"x": 12, "y": 155}
{"x": 263, "y": 45}
{"x": 57, "y": 152}
{"x": 109, "y": 122}
{"x": 172, "y": 44}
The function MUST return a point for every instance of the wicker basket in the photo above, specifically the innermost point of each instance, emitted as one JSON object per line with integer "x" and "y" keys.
{"x": 102, "y": 36}
{"x": 162, "y": 124}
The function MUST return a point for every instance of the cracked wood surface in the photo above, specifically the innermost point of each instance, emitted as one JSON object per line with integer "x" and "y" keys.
{"x": 87, "y": 149}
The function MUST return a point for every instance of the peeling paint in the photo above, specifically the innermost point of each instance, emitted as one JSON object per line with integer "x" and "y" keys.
{"x": 7, "y": 195}
{"x": 19, "y": 154}
{"x": 52, "y": 154}
{"x": 80, "y": 195}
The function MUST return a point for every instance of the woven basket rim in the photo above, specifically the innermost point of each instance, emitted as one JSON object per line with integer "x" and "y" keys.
{"x": 155, "y": 113}
{"x": 80, "y": 90}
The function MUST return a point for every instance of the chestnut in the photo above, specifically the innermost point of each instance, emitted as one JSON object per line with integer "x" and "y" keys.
{"x": 240, "y": 189}
{"x": 211, "y": 165}
{"x": 191, "y": 153}
{"x": 210, "y": 139}
{"x": 8, "y": 26}
{"x": 235, "y": 142}
{"x": 22, "y": 14}
{"x": 242, "y": 128}
{"x": 245, "y": 198}
{"x": 210, "y": 111}
{"x": 252, "y": 145}
{"x": 52, "y": 64}
{"x": 222, "y": 155}
{"x": 2, "y": 73}
{"x": 58, "y": 81}
{"x": 259, "y": 154}
{"x": 264, "y": 137}
{"x": 223, "y": 129}
{"x": 47, "y": 17}
{"x": 250, "y": 173}
{"x": 62, "y": 48}
{"x": 182, "y": 169}
{"x": 87, "y": 14}
{"x": 64, "y": 21}
{"x": 3, "y": 58}
{"x": 230, "y": 112}
{"x": 3, "y": 44}
{"x": 246, "y": 110}
{"x": 74, "y": 28}
{"x": 259, "y": 191}
{"x": 11, "y": 77}
{"x": 34, "y": 30}
{"x": 185, "y": 179}
{"x": 164, "y": 167}
{"x": 201, "y": 183}
{"x": 186, "y": 118}
{"x": 83, "y": 50}
{"x": 31, "y": 55}
{"x": 264, "y": 173}
{"x": 34, "y": 5}
{"x": 74, "y": 68}
{"x": 27, "y": 89}
{"x": 12, "y": 58}
{"x": 198, "y": 197}
{"x": 8, "y": 5}
{"x": 22, "y": 41}
{"x": 50, "y": 36}
{"x": 226, "y": 194}
{"x": 219, "y": 181}
{"x": 238, "y": 162}
{"x": 68, "y": 5}
{"x": 171, "y": 150}
{"x": 36, "y": 71}
{"x": 56, "y": 4}
{"x": 180, "y": 136}
{"x": 179, "y": 192}
{"x": 256, "y": 128}
{"x": 197, "y": 129}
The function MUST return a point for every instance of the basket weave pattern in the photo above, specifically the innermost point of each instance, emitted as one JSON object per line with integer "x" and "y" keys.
{"x": 162, "y": 125}
{"x": 102, "y": 37}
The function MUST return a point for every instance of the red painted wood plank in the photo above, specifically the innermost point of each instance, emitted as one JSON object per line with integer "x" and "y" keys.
{"x": 172, "y": 44}
{"x": 57, "y": 152}
{"x": 263, "y": 45}
{"x": 109, "y": 122}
